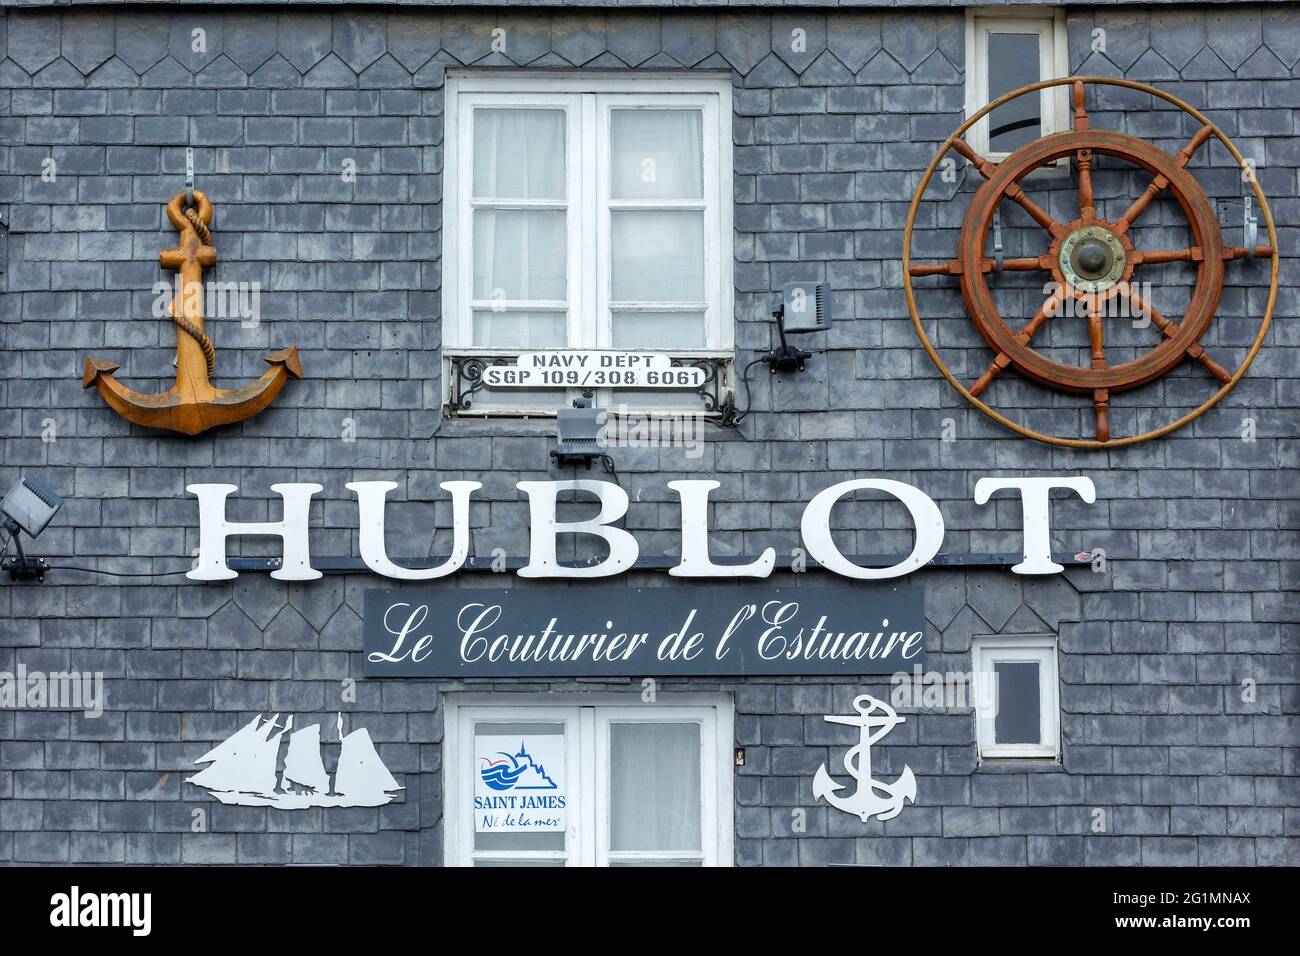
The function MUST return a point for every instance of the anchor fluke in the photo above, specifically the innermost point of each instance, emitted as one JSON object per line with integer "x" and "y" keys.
{"x": 192, "y": 405}
{"x": 286, "y": 357}
{"x": 94, "y": 368}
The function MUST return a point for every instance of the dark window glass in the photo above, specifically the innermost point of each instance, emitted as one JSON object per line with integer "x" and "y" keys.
{"x": 1013, "y": 63}
{"x": 1017, "y": 720}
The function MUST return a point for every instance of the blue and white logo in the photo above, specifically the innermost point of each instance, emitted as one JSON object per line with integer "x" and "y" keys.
{"x": 504, "y": 771}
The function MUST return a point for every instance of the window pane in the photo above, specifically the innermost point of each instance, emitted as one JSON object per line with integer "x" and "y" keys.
{"x": 522, "y": 330}
{"x": 1013, "y": 63}
{"x": 654, "y": 786}
{"x": 658, "y": 330}
{"x": 656, "y": 154}
{"x": 1017, "y": 720}
{"x": 658, "y": 256}
{"x": 518, "y": 154}
{"x": 520, "y": 786}
{"x": 656, "y": 863}
{"x": 519, "y": 254}
{"x": 514, "y": 863}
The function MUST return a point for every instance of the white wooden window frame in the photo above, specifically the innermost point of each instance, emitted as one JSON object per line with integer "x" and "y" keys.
{"x": 587, "y": 720}
{"x": 989, "y": 651}
{"x": 587, "y": 97}
{"x": 1053, "y": 62}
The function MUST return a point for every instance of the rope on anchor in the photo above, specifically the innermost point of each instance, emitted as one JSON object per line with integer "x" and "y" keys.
{"x": 184, "y": 324}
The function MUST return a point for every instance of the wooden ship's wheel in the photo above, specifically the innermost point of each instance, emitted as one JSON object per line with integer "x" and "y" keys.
{"x": 1090, "y": 260}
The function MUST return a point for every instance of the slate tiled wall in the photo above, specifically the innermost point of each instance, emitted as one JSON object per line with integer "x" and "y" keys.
{"x": 1199, "y": 528}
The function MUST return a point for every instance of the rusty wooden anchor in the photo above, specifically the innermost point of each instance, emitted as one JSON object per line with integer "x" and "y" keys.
{"x": 192, "y": 405}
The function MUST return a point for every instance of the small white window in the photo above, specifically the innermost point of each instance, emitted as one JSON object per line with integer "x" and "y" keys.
{"x": 1017, "y": 709}
{"x": 1007, "y": 48}
{"x": 582, "y": 783}
{"x": 587, "y": 211}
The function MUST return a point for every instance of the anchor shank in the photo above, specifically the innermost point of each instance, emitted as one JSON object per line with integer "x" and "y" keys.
{"x": 191, "y": 364}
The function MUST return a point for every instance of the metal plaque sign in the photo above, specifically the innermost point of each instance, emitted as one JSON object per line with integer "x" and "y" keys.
{"x": 643, "y": 632}
{"x": 594, "y": 369}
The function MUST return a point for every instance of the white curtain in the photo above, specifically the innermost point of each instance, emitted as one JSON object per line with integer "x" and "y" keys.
{"x": 657, "y": 254}
{"x": 524, "y": 330}
{"x": 656, "y": 154}
{"x": 519, "y": 254}
{"x": 654, "y": 786}
{"x": 518, "y": 154}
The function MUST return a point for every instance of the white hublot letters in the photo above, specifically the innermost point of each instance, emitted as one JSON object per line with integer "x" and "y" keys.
{"x": 370, "y": 509}
{"x": 1034, "y": 494}
{"x": 926, "y": 519}
{"x": 542, "y": 562}
{"x": 545, "y": 529}
{"x": 214, "y": 529}
{"x": 696, "y": 562}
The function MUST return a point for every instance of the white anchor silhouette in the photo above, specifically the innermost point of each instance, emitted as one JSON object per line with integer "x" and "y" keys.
{"x": 865, "y": 802}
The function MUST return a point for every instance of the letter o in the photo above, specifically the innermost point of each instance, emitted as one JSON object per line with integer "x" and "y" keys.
{"x": 926, "y": 520}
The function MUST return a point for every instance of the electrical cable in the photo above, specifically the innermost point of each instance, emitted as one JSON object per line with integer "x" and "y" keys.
{"x": 749, "y": 400}
{"x": 608, "y": 462}
{"x": 114, "y": 574}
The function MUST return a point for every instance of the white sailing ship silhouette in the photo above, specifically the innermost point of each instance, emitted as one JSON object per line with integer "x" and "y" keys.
{"x": 241, "y": 769}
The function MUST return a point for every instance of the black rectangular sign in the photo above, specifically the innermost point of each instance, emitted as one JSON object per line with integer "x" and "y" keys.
{"x": 595, "y": 631}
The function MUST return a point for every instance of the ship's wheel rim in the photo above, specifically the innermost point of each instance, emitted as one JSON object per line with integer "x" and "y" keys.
{"x": 1087, "y": 443}
{"x": 1156, "y": 361}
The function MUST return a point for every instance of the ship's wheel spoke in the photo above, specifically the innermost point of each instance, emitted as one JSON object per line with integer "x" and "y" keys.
{"x": 1196, "y": 254}
{"x": 950, "y": 268}
{"x": 1080, "y": 108}
{"x": 1241, "y": 252}
{"x": 1161, "y": 182}
{"x": 1023, "y": 264}
{"x": 1012, "y": 191}
{"x": 1002, "y": 360}
{"x": 1100, "y": 396}
{"x": 953, "y": 267}
{"x": 1152, "y": 257}
{"x": 1087, "y": 205}
{"x": 1170, "y": 328}
{"x": 1101, "y": 408}
{"x": 1083, "y": 157}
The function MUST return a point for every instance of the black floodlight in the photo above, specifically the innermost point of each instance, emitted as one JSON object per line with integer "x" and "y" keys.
{"x": 805, "y": 307}
{"x": 579, "y": 434}
{"x": 27, "y": 508}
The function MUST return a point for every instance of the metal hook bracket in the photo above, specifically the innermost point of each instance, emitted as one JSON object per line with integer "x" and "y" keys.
{"x": 189, "y": 176}
{"x": 997, "y": 238}
{"x": 1250, "y": 224}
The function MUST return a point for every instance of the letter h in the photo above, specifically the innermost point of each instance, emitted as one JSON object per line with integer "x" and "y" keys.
{"x": 295, "y": 564}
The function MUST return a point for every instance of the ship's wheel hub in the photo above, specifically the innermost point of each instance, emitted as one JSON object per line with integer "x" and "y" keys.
{"x": 1092, "y": 259}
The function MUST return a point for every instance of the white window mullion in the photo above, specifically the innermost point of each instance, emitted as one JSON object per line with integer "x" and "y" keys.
{"x": 589, "y": 841}
{"x": 595, "y": 218}
{"x": 604, "y": 250}
{"x": 709, "y": 764}
{"x": 463, "y": 184}
{"x": 715, "y": 244}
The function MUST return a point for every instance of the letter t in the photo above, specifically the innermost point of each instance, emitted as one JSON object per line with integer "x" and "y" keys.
{"x": 1034, "y": 495}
